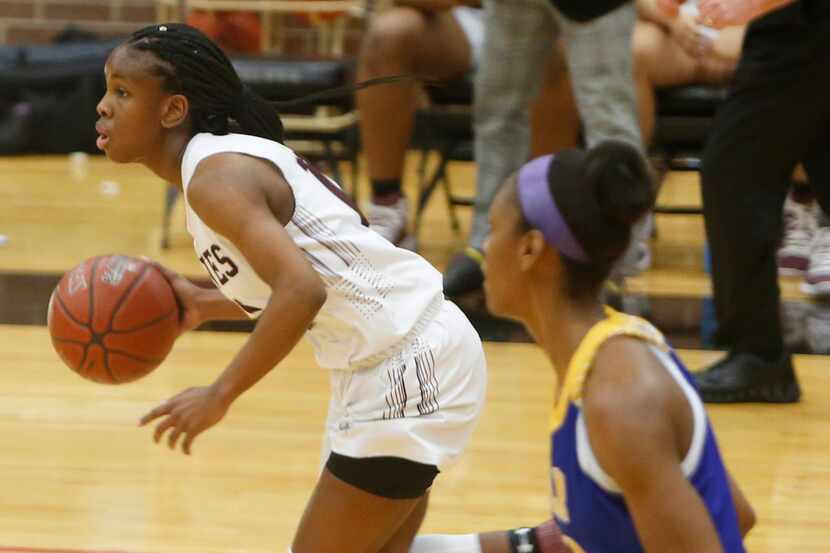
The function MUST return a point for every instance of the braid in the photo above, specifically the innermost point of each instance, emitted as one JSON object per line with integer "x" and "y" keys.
{"x": 192, "y": 65}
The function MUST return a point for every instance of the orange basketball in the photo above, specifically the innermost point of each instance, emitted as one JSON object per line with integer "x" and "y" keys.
{"x": 113, "y": 319}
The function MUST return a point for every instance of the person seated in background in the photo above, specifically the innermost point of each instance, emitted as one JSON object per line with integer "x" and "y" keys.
{"x": 676, "y": 51}
{"x": 436, "y": 40}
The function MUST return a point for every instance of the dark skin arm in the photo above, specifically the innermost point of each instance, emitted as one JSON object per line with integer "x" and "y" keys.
{"x": 199, "y": 304}
{"x": 247, "y": 201}
{"x": 640, "y": 425}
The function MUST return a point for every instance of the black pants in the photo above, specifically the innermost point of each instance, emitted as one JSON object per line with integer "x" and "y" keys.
{"x": 778, "y": 115}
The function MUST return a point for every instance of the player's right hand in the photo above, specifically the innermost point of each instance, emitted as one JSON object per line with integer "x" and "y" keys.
{"x": 187, "y": 294}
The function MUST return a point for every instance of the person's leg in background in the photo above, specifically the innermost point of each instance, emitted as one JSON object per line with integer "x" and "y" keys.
{"x": 600, "y": 62}
{"x": 554, "y": 119}
{"x": 519, "y": 36}
{"x": 747, "y": 167}
{"x": 660, "y": 61}
{"x": 601, "y": 67}
{"x": 401, "y": 40}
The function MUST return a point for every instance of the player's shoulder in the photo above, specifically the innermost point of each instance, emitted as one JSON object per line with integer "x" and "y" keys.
{"x": 231, "y": 181}
{"x": 626, "y": 380}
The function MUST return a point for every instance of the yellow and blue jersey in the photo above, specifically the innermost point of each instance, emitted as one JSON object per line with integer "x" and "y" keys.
{"x": 586, "y": 503}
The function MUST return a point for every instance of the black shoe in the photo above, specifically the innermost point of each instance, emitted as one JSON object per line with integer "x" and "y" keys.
{"x": 746, "y": 378}
{"x": 464, "y": 273}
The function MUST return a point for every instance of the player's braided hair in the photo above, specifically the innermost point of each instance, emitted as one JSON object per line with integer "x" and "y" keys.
{"x": 192, "y": 65}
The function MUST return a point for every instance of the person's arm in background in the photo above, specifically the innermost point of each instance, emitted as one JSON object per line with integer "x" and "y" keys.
{"x": 726, "y": 13}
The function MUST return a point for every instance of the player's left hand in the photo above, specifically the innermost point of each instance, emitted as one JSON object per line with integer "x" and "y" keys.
{"x": 189, "y": 413}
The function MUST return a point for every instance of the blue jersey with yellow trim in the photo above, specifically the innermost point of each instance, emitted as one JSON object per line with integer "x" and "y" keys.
{"x": 586, "y": 502}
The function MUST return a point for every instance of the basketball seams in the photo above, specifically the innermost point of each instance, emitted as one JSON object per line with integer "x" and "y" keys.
{"x": 95, "y": 263}
{"x": 107, "y": 365}
{"x": 134, "y": 357}
{"x": 120, "y": 303}
{"x": 92, "y": 320}
{"x": 113, "y": 301}
{"x": 69, "y": 341}
{"x": 68, "y": 314}
{"x": 144, "y": 326}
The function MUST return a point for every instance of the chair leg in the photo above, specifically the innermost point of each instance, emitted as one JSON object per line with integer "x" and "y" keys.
{"x": 331, "y": 160}
{"x": 454, "y": 223}
{"x": 355, "y": 173}
{"x": 426, "y": 192}
{"x": 170, "y": 196}
{"x": 422, "y": 168}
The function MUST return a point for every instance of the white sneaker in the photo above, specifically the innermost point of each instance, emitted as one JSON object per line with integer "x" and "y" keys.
{"x": 817, "y": 280}
{"x": 818, "y": 330}
{"x": 793, "y": 255}
{"x": 390, "y": 221}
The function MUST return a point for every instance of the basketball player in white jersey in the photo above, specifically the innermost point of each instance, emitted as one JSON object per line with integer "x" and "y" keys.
{"x": 282, "y": 244}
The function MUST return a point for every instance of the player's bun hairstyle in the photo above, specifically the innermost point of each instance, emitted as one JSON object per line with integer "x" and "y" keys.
{"x": 189, "y": 63}
{"x": 601, "y": 194}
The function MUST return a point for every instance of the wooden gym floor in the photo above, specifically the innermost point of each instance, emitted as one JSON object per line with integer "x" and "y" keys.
{"x": 78, "y": 475}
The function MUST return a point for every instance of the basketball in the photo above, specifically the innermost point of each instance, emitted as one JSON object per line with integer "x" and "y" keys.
{"x": 113, "y": 319}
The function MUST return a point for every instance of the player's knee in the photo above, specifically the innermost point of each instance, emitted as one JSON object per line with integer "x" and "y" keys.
{"x": 393, "y": 38}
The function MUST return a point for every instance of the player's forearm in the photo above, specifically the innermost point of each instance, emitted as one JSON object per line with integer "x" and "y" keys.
{"x": 281, "y": 325}
{"x": 214, "y": 306}
{"x": 673, "y": 518}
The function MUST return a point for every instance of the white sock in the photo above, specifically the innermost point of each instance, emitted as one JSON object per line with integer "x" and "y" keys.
{"x": 444, "y": 543}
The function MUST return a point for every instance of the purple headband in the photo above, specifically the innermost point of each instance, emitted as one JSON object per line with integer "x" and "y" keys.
{"x": 540, "y": 210}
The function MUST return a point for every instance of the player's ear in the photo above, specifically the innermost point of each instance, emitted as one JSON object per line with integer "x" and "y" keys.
{"x": 531, "y": 247}
{"x": 174, "y": 111}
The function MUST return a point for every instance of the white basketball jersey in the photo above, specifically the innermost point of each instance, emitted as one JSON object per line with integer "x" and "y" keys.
{"x": 379, "y": 296}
